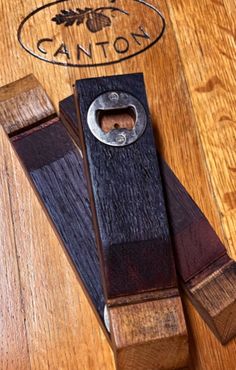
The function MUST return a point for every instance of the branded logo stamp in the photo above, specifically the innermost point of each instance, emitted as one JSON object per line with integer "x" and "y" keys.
{"x": 81, "y": 33}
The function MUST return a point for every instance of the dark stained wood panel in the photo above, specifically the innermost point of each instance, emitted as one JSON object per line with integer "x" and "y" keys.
{"x": 56, "y": 169}
{"x": 126, "y": 191}
{"x": 195, "y": 242}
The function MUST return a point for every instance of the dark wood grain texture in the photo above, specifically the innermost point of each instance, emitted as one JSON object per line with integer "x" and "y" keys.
{"x": 195, "y": 242}
{"x": 56, "y": 169}
{"x": 129, "y": 210}
{"x": 54, "y": 165}
{"x": 133, "y": 237}
{"x": 46, "y": 318}
{"x": 198, "y": 250}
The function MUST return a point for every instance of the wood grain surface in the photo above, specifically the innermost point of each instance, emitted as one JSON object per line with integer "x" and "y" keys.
{"x": 133, "y": 237}
{"x": 200, "y": 257}
{"x": 127, "y": 200}
{"x": 207, "y": 79}
{"x": 17, "y": 110}
{"x": 144, "y": 333}
{"x": 55, "y": 166}
{"x": 46, "y": 321}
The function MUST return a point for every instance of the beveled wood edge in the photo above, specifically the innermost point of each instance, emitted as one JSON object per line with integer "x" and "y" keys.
{"x": 210, "y": 277}
{"x": 148, "y": 330}
{"x": 143, "y": 297}
{"x": 211, "y": 269}
{"x": 71, "y": 131}
{"x": 26, "y": 83}
{"x": 24, "y": 103}
{"x": 219, "y": 310}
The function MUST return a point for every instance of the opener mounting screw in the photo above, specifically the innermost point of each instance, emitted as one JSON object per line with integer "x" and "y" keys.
{"x": 113, "y": 96}
{"x": 120, "y": 139}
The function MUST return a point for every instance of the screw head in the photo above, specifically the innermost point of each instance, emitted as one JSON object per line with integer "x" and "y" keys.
{"x": 120, "y": 139}
{"x": 113, "y": 96}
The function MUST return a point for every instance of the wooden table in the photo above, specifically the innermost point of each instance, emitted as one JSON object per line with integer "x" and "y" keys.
{"x": 46, "y": 321}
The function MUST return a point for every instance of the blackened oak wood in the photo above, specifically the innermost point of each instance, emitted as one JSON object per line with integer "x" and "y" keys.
{"x": 178, "y": 203}
{"x": 55, "y": 167}
{"x": 195, "y": 242}
{"x": 126, "y": 191}
{"x": 133, "y": 239}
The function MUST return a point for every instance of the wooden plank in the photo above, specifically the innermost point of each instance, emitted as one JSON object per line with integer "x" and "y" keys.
{"x": 132, "y": 235}
{"x": 50, "y": 171}
{"x": 37, "y": 150}
{"x": 51, "y": 155}
{"x": 212, "y": 84}
{"x": 130, "y": 215}
{"x": 38, "y": 255}
{"x": 56, "y": 169}
{"x": 220, "y": 307}
{"x": 16, "y": 100}
{"x": 43, "y": 152}
{"x": 13, "y": 337}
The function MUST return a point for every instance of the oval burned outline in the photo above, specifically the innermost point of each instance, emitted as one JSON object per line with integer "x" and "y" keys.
{"x": 108, "y": 62}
